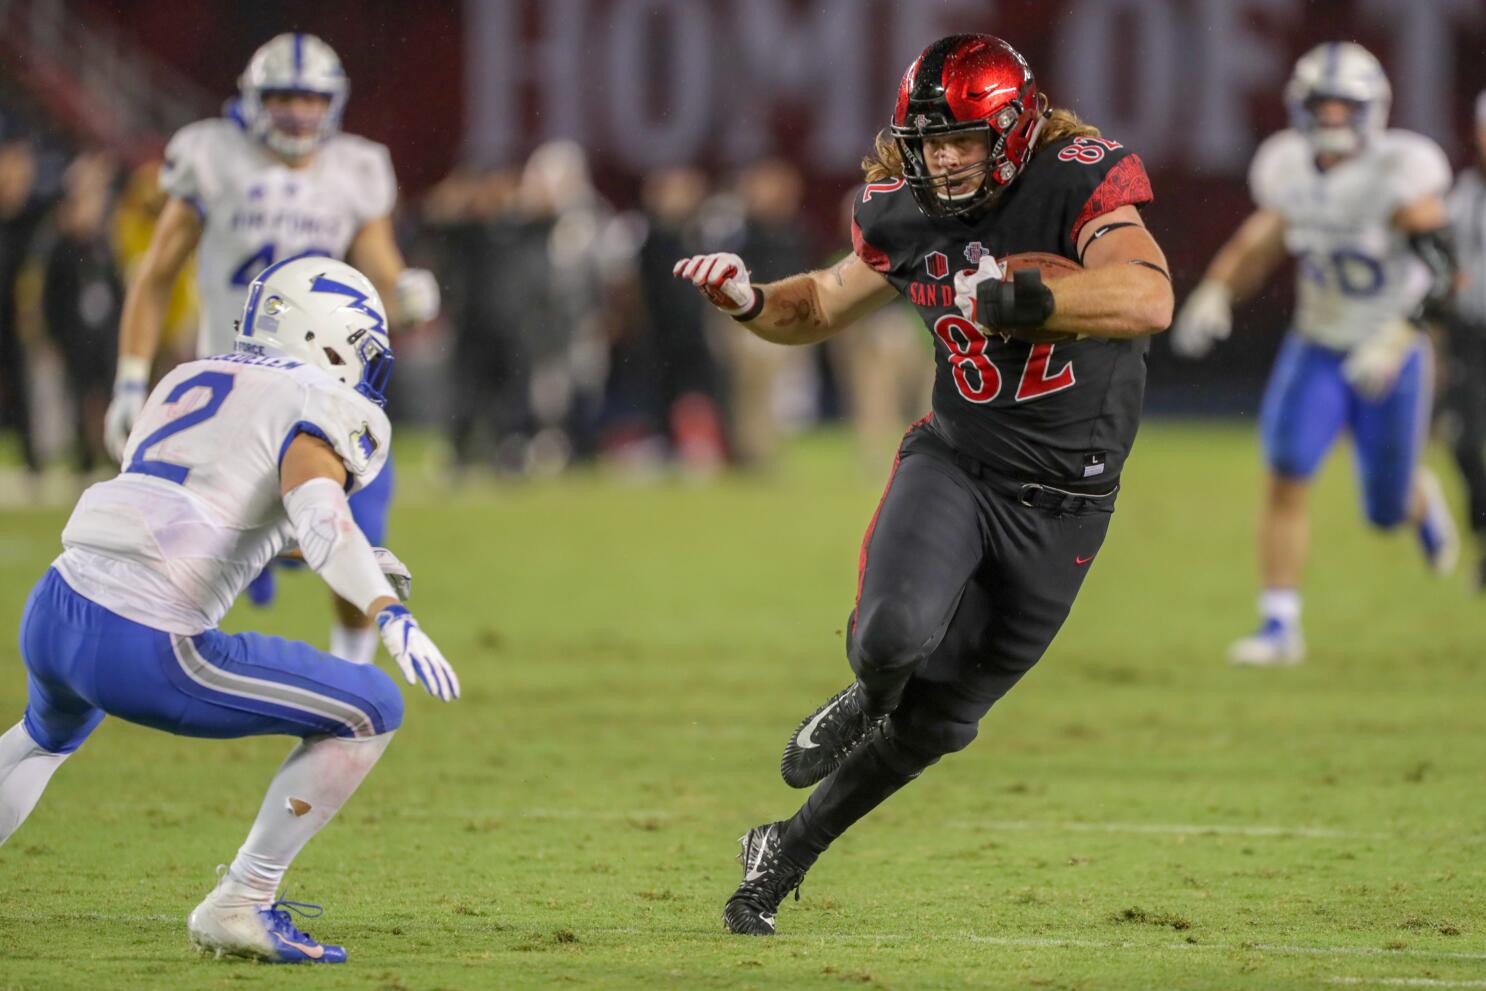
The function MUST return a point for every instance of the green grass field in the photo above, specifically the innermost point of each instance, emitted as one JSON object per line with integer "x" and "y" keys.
{"x": 1136, "y": 814}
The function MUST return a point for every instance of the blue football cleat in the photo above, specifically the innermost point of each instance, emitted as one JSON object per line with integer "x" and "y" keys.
{"x": 1276, "y": 644}
{"x": 267, "y": 934}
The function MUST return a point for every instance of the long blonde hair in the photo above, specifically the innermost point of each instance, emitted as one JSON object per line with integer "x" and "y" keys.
{"x": 886, "y": 162}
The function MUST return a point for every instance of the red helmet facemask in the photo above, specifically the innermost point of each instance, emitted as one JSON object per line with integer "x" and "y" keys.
{"x": 975, "y": 85}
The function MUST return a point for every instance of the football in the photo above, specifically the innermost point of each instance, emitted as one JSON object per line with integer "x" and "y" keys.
{"x": 1052, "y": 267}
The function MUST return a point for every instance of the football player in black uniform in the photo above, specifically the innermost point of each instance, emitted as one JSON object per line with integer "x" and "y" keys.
{"x": 1000, "y": 498}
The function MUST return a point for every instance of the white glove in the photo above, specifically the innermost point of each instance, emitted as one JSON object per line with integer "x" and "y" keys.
{"x": 131, "y": 387}
{"x": 721, "y": 278}
{"x": 1373, "y": 366}
{"x": 1206, "y": 317}
{"x": 398, "y": 574}
{"x": 967, "y": 282}
{"x": 417, "y": 293}
{"x": 415, "y": 654}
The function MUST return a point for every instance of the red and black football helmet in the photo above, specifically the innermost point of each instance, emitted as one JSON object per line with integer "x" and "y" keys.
{"x": 967, "y": 84}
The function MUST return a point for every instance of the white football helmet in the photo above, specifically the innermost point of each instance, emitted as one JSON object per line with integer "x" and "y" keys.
{"x": 292, "y": 63}
{"x": 325, "y": 313}
{"x": 1339, "y": 70}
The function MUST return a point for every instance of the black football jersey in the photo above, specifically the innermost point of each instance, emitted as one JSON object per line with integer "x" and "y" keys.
{"x": 1063, "y": 414}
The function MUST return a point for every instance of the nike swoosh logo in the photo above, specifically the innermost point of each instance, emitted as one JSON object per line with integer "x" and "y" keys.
{"x": 982, "y": 94}
{"x": 1081, "y": 561}
{"x": 754, "y": 873}
{"x": 803, "y": 738}
{"x": 313, "y": 952}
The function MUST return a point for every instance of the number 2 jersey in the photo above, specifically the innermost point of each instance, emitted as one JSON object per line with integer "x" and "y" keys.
{"x": 1062, "y": 414}
{"x": 196, "y": 512}
{"x": 1355, "y": 270}
{"x": 256, "y": 210}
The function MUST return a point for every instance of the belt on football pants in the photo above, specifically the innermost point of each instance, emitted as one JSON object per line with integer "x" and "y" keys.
{"x": 1037, "y": 495}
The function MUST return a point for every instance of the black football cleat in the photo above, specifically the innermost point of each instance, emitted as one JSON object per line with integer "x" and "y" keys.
{"x": 825, "y": 739}
{"x": 768, "y": 875}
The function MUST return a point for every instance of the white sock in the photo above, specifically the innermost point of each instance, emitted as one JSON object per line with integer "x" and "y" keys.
{"x": 1281, "y": 605}
{"x": 357, "y": 644}
{"x": 318, "y": 777}
{"x": 25, "y": 769}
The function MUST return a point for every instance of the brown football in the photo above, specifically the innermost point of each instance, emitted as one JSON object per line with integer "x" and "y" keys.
{"x": 1052, "y": 267}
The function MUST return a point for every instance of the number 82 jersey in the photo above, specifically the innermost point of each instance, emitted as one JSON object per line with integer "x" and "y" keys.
{"x": 1063, "y": 414}
{"x": 256, "y": 210}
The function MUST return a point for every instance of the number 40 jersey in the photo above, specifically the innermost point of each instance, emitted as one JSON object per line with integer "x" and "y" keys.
{"x": 196, "y": 512}
{"x": 1355, "y": 271}
{"x": 256, "y": 210}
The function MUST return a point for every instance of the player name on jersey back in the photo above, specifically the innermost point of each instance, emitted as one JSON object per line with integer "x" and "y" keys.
{"x": 196, "y": 513}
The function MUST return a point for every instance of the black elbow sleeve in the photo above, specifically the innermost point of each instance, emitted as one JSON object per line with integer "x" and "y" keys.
{"x": 1436, "y": 249}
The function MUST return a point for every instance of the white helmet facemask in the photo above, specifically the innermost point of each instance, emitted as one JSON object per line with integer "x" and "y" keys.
{"x": 324, "y": 313}
{"x": 1339, "y": 70}
{"x": 292, "y": 63}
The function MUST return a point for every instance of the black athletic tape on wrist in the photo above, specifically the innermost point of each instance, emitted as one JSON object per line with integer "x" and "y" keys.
{"x": 753, "y": 311}
{"x": 1023, "y": 302}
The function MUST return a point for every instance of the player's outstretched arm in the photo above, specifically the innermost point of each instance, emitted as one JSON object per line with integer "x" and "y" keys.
{"x": 802, "y": 309}
{"x": 1239, "y": 268}
{"x": 1125, "y": 288}
{"x": 145, "y": 302}
{"x": 413, "y": 292}
{"x": 312, "y": 480}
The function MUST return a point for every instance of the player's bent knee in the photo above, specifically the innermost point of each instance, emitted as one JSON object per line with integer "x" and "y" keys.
{"x": 931, "y": 734}
{"x": 387, "y": 698}
{"x": 1386, "y": 515}
{"x": 891, "y": 636}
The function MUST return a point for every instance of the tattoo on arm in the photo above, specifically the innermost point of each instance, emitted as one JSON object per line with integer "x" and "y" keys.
{"x": 797, "y": 311}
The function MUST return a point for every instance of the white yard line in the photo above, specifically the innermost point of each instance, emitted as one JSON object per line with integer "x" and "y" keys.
{"x": 1404, "y": 982}
{"x": 1012, "y": 942}
{"x": 1166, "y": 828}
{"x": 987, "y": 825}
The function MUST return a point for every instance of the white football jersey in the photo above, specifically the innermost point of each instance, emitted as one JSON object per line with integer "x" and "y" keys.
{"x": 256, "y": 210}
{"x": 1355, "y": 271}
{"x": 196, "y": 512}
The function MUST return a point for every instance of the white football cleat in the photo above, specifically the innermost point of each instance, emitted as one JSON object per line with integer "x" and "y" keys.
{"x": 1438, "y": 537}
{"x": 1273, "y": 646}
{"x": 267, "y": 934}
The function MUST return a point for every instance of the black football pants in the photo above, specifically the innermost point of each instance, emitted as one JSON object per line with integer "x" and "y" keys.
{"x": 961, "y": 589}
{"x": 1465, "y": 400}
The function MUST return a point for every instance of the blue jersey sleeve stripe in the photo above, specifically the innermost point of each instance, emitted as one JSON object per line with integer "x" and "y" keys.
{"x": 306, "y": 427}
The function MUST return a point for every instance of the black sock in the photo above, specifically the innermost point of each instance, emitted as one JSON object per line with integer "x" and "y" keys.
{"x": 864, "y": 781}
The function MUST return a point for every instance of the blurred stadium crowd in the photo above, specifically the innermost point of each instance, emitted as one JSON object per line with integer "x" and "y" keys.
{"x": 564, "y": 337}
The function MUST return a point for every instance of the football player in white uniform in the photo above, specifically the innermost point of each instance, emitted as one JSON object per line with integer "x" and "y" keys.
{"x": 1361, "y": 208}
{"x": 273, "y": 179}
{"x": 232, "y": 460}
